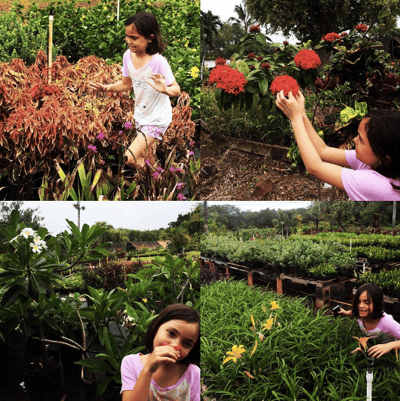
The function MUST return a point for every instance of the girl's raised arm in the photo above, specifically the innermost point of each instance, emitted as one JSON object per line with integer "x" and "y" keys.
{"x": 122, "y": 85}
{"x": 328, "y": 172}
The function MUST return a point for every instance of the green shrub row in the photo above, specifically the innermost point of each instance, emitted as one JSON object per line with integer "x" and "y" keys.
{"x": 385, "y": 279}
{"x": 290, "y": 352}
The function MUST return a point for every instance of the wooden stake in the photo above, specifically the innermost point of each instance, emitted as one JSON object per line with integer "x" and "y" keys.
{"x": 50, "y": 44}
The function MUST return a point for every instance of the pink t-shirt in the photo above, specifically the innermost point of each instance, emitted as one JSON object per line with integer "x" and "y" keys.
{"x": 187, "y": 388}
{"x": 386, "y": 330}
{"x": 364, "y": 184}
{"x": 151, "y": 107}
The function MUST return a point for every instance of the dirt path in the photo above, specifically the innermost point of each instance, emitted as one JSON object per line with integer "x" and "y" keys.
{"x": 228, "y": 174}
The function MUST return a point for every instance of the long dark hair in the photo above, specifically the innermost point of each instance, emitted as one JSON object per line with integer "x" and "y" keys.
{"x": 175, "y": 312}
{"x": 147, "y": 25}
{"x": 383, "y": 133}
{"x": 375, "y": 295}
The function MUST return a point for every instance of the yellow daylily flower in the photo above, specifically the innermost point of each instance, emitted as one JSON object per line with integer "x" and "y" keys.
{"x": 236, "y": 353}
{"x": 252, "y": 321}
{"x": 263, "y": 308}
{"x": 144, "y": 300}
{"x": 249, "y": 375}
{"x": 254, "y": 349}
{"x": 362, "y": 341}
{"x": 268, "y": 324}
{"x": 274, "y": 305}
{"x": 194, "y": 72}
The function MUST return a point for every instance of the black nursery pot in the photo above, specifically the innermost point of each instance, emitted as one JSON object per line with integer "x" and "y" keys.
{"x": 44, "y": 384}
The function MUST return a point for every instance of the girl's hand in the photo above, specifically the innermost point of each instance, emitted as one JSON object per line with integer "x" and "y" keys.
{"x": 163, "y": 355}
{"x": 98, "y": 87}
{"x": 292, "y": 107}
{"x": 157, "y": 81}
{"x": 344, "y": 312}
{"x": 380, "y": 349}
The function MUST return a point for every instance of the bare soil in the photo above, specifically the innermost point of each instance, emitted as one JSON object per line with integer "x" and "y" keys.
{"x": 228, "y": 174}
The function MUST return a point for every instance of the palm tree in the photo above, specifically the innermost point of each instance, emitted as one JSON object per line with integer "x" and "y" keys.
{"x": 209, "y": 29}
{"x": 244, "y": 17}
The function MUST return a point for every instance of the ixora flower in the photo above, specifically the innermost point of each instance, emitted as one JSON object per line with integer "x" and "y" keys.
{"x": 255, "y": 29}
{"x": 236, "y": 353}
{"x": 330, "y": 37}
{"x": 265, "y": 66}
{"x": 307, "y": 59}
{"x": 251, "y": 56}
{"x": 361, "y": 28}
{"x": 220, "y": 61}
{"x": 228, "y": 79}
{"x": 285, "y": 83}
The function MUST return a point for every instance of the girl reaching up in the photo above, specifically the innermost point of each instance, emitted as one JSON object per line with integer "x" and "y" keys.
{"x": 148, "y": 72}
{"x": 371, "y": 172}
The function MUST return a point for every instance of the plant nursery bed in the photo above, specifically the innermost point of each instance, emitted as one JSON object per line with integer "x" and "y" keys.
{"x": 229, "y": 174}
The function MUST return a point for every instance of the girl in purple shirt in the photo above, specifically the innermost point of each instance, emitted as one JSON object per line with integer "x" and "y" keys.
{"x": 373, "y": 322}
{"x": 148, "y": 72}
{"x": 169, "y": 372}
{"x": 371, "y": 172}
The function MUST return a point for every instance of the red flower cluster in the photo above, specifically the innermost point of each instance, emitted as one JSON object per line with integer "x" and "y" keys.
{"x": 251, "y": 56}
{"x": 228, "y": 79}
{"x": 307, "y": 59}
{"x": 220, "y": 61}
{"x": 285, "y": 42}
{"x": 259, "y": 58}
{"x": 255, "y": 29}
{"x": 285, "y": 83}
{"x": 343, "y": 34}
{"x": 330, "y": 37}
{"x": 265, "y": 66}
{"x": 361, "y": 28}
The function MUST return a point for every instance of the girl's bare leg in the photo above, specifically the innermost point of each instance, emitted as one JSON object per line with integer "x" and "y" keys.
{"x": 140, "y": 150}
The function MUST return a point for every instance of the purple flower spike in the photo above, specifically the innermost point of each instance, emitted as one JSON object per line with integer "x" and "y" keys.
{"x": 191, "y": 153}
{"x": 181, "y": 197}
{"x": 172, "y": 169}
{"x": 128, "y": 125}
{"x": 147, "y": 162}
{"x": 180, "y": 185}
{"x": 160, "y": 169}
{"x": 192, "y": 143}
{"x": 100, "y": 136}
{"x": 179, "y": 170}
{"x": 93, "y": 148}
{"x": 155, "y": 175}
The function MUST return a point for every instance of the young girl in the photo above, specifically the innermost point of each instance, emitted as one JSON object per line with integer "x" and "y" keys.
{"x": 153, "y": 83}
{"x": 370, "y": 172}
{"x": 168, "y": 372}
{"x": 373, "y": 322}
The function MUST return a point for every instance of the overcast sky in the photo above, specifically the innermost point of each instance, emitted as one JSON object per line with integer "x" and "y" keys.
{"x": 134, "y": 215}
{"x": 225, "y": 10}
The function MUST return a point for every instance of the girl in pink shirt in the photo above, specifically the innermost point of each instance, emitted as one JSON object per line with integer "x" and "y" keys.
{"x": 148, "y": 72}
{"x": 371, "y": 172}
{"x": 373, "y": 322}
{"x": 169, "y": 372}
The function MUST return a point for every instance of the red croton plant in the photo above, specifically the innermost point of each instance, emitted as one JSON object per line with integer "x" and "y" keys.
{"x": 44, "y": 124}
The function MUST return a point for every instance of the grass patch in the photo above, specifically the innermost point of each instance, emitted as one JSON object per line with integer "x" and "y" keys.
{"x": 303, "y": 356}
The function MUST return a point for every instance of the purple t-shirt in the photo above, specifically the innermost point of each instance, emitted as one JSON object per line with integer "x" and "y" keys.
{"x": 386, "y": 330}
{"x": 151, "y": 106}
{"x": 364, "y": 184}
{"x": 187, "y": 388}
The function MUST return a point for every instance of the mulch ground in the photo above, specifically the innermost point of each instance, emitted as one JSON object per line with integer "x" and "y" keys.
{"x": 227, "y": 174}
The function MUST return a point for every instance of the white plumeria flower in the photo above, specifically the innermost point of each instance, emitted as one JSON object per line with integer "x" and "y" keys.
{"x": 35, "y": 248}
{"x": 27, "y": 232}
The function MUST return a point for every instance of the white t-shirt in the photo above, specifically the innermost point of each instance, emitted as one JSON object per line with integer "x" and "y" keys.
{"x": 151, "y": 106}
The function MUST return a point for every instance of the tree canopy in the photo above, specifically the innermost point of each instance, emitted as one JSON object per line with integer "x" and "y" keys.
{"x": 310, "y": 20}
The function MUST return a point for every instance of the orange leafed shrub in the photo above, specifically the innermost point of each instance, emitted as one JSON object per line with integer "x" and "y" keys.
{"x": 46, "y": 122}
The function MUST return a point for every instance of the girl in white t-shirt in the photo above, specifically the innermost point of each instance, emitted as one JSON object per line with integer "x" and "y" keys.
{"x": 148, "y": 72}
